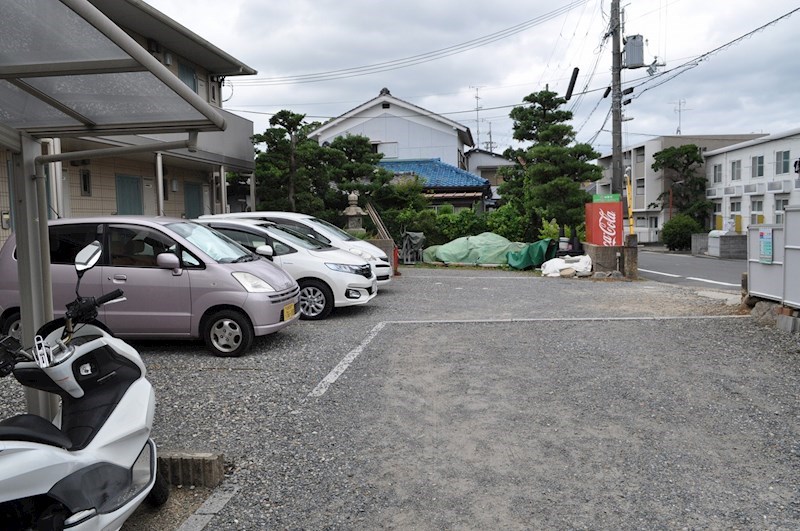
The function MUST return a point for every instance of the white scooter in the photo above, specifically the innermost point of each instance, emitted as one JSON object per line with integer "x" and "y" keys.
{"x": 95, "y": 463}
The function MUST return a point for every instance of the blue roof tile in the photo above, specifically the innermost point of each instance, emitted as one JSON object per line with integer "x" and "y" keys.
{"x": 435, "y": 173}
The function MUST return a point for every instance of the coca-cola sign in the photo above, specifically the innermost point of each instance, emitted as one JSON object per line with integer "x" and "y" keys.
{"x": 608, "y": 226}
{"x": 604, "y": 224}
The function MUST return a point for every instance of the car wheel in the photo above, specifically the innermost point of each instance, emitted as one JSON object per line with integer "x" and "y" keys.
{"x": 316, "y": 300}
{"x": 228, "y": 333}
{"x": 12, "y": 326}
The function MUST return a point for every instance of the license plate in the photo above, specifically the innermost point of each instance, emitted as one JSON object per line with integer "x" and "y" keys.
{"x": 288, "y": 312}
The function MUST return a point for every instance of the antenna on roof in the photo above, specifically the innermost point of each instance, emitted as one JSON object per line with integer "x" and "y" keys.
{"x": 477, "y": 116}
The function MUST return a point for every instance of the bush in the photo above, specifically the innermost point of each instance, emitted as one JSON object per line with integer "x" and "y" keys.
{"x": 677, "y": 232}
{"x": 550, "y": 229}
{"x": 506, "y": 222}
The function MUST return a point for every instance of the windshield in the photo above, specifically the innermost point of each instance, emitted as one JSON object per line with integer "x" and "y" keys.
{"x": 296, "y": 238}
{"x": 216, "y": 245}
{"x": 331, "y": 229}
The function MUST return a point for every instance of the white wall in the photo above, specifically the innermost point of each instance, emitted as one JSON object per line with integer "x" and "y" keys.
{"x": 415, "y": 137}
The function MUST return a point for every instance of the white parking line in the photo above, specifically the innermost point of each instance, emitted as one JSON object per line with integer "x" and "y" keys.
{"x": 351, "y": 356}
{"x": 337, "y": 371}
{"x": 660, "y": 273}
{"x": 713, "y": 282}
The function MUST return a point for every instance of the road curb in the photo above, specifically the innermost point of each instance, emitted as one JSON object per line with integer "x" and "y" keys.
{"x": 201, "y": 469}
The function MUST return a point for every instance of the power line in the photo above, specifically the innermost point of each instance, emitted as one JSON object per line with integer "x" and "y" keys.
{"x": 414, "y": 59}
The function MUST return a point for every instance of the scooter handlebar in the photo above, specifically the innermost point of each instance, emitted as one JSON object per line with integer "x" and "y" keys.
{"x": 110, "y": 296}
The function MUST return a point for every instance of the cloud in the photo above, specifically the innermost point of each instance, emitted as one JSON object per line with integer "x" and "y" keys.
{"x": 747, "y": 87}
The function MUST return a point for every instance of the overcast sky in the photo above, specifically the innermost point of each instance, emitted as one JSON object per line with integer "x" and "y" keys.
{"x": 501, "y": 51}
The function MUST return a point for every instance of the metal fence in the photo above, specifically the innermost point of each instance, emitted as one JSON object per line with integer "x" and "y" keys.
{"x": 773, "y": 259}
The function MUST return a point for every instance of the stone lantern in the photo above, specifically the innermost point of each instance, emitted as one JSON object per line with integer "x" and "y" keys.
{"x": 354, "y": 215}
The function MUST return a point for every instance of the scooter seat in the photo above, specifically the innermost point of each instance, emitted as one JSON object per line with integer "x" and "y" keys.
{"x": 33, "y": 428}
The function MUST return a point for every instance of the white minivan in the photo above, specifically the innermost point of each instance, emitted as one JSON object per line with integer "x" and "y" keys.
{"x": 327, "y": 233}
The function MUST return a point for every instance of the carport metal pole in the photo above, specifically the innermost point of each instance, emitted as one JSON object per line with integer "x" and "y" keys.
{"x": 36, "y": 298}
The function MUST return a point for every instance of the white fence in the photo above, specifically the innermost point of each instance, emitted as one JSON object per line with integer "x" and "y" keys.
{"x": 773, "y": 259}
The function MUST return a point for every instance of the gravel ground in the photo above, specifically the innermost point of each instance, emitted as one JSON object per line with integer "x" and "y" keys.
{"x": 483, "y": 399}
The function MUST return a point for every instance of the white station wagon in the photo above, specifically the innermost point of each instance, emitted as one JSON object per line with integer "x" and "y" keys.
{"x": 328, "y": 277}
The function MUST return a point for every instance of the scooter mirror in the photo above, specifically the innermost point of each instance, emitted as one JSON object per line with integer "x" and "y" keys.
{"x": 87, "y": 257}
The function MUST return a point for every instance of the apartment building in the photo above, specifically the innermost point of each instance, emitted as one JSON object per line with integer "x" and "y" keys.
{"x": 647, "y": 185}
{"x": 753, "y": 182}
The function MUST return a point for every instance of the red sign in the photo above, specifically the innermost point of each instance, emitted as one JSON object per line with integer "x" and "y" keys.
{"x": 604, "y": 224}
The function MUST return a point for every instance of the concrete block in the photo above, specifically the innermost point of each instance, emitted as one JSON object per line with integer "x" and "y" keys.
{"x": 192, "y": 468}
{"x": 788, "y": 324}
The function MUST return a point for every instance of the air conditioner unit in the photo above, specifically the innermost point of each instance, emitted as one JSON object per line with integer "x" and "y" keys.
{"x": 754, "y": 188}
{"x": 779, "y": 186}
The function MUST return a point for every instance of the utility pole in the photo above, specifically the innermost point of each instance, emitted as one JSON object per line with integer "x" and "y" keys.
{"x": 615, "y": 30}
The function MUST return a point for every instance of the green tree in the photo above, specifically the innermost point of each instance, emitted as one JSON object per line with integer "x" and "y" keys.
{"x": 295, "y": 173}
{"x": 292, "y": 172}
{"x": 354, "y": 169}
{"x": 686, "y": 187}
{"x": 546, "y": 181}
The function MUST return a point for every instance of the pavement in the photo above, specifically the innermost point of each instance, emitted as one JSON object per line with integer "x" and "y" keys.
{"x": 465, "y": 398}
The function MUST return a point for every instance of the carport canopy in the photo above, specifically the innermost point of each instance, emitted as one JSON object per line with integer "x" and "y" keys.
{"x": 67, "y": 70}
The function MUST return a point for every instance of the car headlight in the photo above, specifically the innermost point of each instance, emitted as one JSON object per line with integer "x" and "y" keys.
{"x": 252, "y": 283}
{"x": 344, "y": 268}
{"x": 363, "y": 254}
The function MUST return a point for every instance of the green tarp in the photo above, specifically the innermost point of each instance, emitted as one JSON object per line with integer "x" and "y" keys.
{"x": 491, "y": 249}
{"x": 534, "y": 254}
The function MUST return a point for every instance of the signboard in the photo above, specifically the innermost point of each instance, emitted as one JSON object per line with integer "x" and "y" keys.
{"x": 765, "y": 246}
{"x": 605, "y": 198}
{"x": 604, "y": 224}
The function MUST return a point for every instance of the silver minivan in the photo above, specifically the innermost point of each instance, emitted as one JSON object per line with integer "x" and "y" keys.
{"x": 181, "y": 280}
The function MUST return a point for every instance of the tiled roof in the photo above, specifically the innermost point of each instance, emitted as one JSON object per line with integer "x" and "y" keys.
{"x": 435, "y": 173}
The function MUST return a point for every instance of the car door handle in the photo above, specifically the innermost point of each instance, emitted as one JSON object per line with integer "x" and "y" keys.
{"x": 121, "y": 278}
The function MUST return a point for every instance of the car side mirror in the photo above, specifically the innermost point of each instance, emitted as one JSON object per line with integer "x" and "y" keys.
{"x": 169, "y": 261}
{"x": 265, "y": 250}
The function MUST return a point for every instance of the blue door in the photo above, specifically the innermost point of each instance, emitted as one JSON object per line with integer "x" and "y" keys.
{"x": 193, "y": 200}
{"x": 129, "y": 195}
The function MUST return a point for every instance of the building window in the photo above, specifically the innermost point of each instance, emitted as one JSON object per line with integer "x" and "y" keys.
{"x": 187, "y": 74}
{"x": 757, "y": 169}
{"x": 86, "y": 182}
{"x": 757, "y": 210}
{"x": 781, "y": 162}
{"x": 736, "y": 170}
{"x": 717, "y": 173}
{"x": 780, "y": 206}
{"x": 639, "y": 186}
{"x": 736, "y": 205}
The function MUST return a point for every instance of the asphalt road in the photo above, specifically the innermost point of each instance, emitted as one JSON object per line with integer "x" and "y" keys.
{"x": 692, "y": 271}
{"x": 488, "y": 399}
